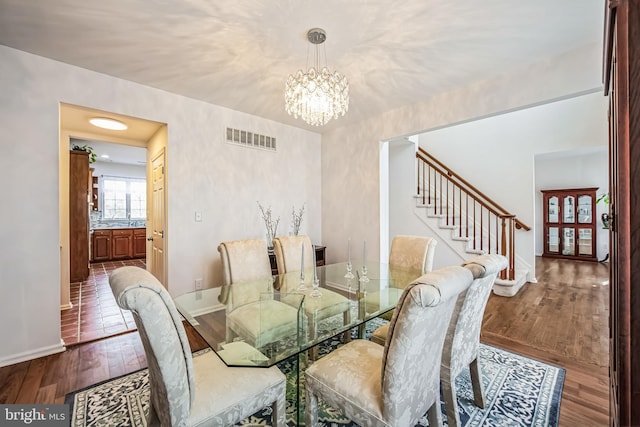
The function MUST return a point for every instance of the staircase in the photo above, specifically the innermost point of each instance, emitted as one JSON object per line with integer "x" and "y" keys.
{"x": 469, "y": 221}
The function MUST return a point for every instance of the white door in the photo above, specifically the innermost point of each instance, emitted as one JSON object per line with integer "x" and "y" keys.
{"x": 158, "y": 219}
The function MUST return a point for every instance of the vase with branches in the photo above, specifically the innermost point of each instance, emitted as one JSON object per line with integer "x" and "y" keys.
{"x": 296, "y": 219}
{"x": 270, "y": 223}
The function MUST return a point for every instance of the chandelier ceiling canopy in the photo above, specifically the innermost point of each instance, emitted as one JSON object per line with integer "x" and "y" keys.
{"x": 318, "y": 95}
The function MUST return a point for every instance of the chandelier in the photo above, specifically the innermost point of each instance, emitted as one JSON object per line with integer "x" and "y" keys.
{"x": 317, "y": 95}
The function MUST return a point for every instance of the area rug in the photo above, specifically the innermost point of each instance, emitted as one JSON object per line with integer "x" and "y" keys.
{"x": 519, "y": 391}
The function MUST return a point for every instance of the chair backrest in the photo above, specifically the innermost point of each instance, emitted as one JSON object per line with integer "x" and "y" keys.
{"x": 413, "y": 349}
{"x": 165, "y": 342}
{"x": 288, "y": 252}
{"x": 463, "y": 338}
{"x": 242, "y": 261}
{"x": 413, "y": 252}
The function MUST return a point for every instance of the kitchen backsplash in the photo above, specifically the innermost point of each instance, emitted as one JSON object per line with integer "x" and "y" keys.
{"x": 97, "y": 222}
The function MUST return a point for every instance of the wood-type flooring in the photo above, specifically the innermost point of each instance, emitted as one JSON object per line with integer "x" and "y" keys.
{"x": 562, "y": 319}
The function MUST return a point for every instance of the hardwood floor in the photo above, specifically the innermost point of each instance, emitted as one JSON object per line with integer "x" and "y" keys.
{"x": 563, "y": 320}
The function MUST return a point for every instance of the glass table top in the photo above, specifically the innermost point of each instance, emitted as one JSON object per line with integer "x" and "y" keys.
{"x": 265, "y": 321}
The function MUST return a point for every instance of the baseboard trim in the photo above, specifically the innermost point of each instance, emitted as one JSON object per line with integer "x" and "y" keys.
{"x": 33, "y": 354}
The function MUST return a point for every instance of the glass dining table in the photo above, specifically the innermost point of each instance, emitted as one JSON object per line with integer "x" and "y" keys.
{"x": 284, "y": 318}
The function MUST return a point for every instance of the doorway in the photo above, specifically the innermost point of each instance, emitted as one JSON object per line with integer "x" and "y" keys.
{"x": 121, "y": 162}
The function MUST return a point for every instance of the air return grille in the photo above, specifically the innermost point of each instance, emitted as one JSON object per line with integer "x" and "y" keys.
{"x": 250, "y": 139}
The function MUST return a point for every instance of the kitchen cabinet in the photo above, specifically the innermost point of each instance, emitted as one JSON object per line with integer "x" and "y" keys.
{"x": 569, "y": 224}
{"x": 94, "y": 193}
{"x": 78, "y": 216}
{"x": 139, "y": 242}
{"x": 121, "y": 243}
{"x": 101, "y": 245}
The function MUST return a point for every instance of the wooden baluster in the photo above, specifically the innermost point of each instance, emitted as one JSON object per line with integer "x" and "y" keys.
{"x": 497, "y": 236}
{"x": 503, "y": 274}
{"x": 446, "y": 199}
{"x": 474, "y": 225}
{"x": 481, "y": 228}
{"x": 466, "y": 215}
{"x": 440, "y": 194}
{"x": 512, "y": 266}
{"x": 423, "y": 182}
{"x": 489, "y": 232}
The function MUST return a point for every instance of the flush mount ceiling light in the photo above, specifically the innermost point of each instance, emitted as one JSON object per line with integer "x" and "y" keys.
{"x": 105, "y": 123}
{"x": 317, "y": 95}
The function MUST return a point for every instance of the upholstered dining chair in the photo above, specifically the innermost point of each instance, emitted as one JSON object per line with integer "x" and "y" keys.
{"x": 191, "y": 390}
{"x": 462, "y": 342}
{"x": 415, "y": 252}
{"x": 288, "y": 252}
{"x": 248, "y": 286}
{"x": 396, "y": 384}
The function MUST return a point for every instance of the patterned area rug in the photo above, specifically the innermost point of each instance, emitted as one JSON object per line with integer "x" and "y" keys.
{"x": 519, "y": 391}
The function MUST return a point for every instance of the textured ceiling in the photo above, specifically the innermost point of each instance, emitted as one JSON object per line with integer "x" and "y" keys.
{"x": 239, "y": 54}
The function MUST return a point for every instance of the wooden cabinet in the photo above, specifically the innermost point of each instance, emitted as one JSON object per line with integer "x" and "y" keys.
{"x": 139, "y": 242}
{"x": 569, "y": 224}
{"x": 101, "y": 245}
{"x": 320, "y": 258}
{"x": 121, "y": 243}
{"x": 94, "y": 193}
{"x": 78, "y": 216}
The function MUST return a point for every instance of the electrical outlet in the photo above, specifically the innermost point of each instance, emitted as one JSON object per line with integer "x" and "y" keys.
{"x": 198, "y": 216}
{"x": 198, "y": 284}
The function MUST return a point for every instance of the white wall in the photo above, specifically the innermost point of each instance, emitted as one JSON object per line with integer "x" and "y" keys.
{"x": 350, "y": 192}
{"x": 573, "y": 169}
{"x": 119, "y": 169}
{"x": 497, "y": 154}
{"x": 206, "y": 174}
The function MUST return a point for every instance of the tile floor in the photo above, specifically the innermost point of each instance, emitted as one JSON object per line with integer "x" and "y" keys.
{"x": 95, "y": 313}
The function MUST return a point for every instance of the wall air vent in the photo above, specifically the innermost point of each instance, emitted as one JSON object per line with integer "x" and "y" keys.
{"x": 250, "y": 139}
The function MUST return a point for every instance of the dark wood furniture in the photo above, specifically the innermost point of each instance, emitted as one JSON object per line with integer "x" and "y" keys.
{"x": 101, "y": 245}
{"x": 121, "y": 243}
{"x": 78, "y": 215}
{"x": 117, "y": 244}
{"x": 94, "y": 193}
{"x": 320, "y": 258}
{"x": 139, "y": 243}
{"x": 569, "y": 225}
{"x": 622, "y": 86}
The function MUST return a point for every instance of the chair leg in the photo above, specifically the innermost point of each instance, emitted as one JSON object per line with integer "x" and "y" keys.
{"x": 279, "y": 411}
{"x": 434, "y": 414}
{"x": 476, "y": 383}
{"x": 311, "y": 408}
{"x": 450, "y": 402}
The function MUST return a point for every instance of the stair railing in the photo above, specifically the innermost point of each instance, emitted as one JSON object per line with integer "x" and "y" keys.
{"x": 487, "y": 226}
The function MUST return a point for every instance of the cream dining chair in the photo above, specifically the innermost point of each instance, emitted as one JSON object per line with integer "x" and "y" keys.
{"x": 187, "y": 390}
{"x": 396, "y": 384}
{"x": 414, "y": 252}
{"x": 288, "y": 252}
{"x": 249, "y": 289}
{"x": 462, "y": 342}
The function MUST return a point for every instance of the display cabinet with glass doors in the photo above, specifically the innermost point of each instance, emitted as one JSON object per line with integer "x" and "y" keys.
{"x": 569, "y": 223}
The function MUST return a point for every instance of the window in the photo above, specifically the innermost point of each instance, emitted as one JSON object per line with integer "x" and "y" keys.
{"x": 124, "y": 198}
